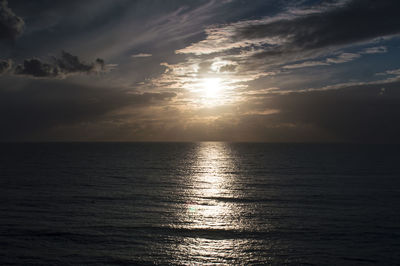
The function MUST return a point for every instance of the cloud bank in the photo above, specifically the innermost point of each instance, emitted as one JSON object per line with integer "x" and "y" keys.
{"x": 31, "y": 110}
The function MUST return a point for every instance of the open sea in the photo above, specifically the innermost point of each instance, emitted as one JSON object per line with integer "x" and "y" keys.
{"x": 200, "y": 203}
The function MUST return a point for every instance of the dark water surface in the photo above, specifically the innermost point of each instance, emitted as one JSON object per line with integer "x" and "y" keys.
{"x": 199, "y": 203}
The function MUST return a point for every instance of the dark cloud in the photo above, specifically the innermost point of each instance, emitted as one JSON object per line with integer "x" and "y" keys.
{"x": 5, "y": 66}
{"x": 11, "y": 26}
{"x": 61, "y": 67}
{"x": 228, "y": 68}
{"x": 356, "y": 21}
{"x": 35, "y": 67}
{"x": 353, "y": 114}
{"x": 29, "y": 110}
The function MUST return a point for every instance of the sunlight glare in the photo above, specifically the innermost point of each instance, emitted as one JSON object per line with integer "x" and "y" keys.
{"x": 211, "y": 87}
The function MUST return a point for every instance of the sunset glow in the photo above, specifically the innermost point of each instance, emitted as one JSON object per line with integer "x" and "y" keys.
{"x": 207, "y": 132}
{"x": 211, "y": 87}
{"x": 200, "y": 70}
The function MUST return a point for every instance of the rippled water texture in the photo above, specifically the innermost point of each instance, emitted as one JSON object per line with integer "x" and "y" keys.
{"x": 199, "y": 203}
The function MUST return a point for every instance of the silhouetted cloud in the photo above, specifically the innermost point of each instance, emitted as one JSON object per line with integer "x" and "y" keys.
{"x": 356, "y": 113}
{"x": 40, "y": 105}
{"x": 61, "y": 67}
{"x": 35, "y": 67}
{"x": 11, "y": 26}
{"x": 5, "y": 66}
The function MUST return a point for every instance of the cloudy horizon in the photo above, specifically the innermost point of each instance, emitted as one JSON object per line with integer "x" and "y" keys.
{"x": 232, "y": 70}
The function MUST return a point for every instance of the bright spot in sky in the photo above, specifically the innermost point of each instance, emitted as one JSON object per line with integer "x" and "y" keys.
{"x": 211, "y": 91}
{"x": 211, "y": 87}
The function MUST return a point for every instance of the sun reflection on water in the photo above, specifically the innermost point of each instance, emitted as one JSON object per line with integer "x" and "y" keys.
{"x": 210, "y": 219}
{"x": 209, "y": 183}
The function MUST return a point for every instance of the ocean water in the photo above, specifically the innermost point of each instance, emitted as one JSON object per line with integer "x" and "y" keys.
{"x": 199, "y": 204}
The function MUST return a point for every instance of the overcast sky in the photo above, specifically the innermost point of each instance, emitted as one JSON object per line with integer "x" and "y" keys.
{"x": 174, "y": 70}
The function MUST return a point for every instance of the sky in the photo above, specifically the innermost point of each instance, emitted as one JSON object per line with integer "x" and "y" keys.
{"x": 204, "y": 70}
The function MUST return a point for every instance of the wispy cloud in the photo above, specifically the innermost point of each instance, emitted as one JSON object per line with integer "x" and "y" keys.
{"x": 141, "y": 55}
{"x": 392, "y": 72}
{"x": 375, "y": 50}
{"x": 343, "y": 58}
{"x": 306, "y": 64}
{"x": 337, "y": 25}
{"x": 339, "y": 59}
{"x": 295, "y": 39}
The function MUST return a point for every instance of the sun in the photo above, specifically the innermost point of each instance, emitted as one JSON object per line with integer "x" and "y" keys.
{"x": 211, "y": 91}
{"x": 211, "y": 87}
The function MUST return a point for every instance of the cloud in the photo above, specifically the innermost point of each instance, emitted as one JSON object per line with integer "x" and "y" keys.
{"x": 356, "y": 21}
{"x": 297, "y": 38}
{"x": 157, "y": 96}
{"x": 343, "y": 58}
{"x": 11, "y": 26}
{"x": 5, "y": 66}
{"x": 228, "y": 68}
{"x": 361, "y": 113}
{"x": 306, "y": 64}
{"x": 356, "y": 113}
{"x": 141, "y": 55}
{"x": 392, "y": 72}
{"x": 60, "y": 67}
{"x": 31, "y": 110}
{"x": 55, "y": 110}
{"x": 350, "y": 114}
{"x": 293, "y": 32}
{"x": 375, "y": 50}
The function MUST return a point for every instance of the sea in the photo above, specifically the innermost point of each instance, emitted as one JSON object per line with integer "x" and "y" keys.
{"x": 201, "y": 203}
